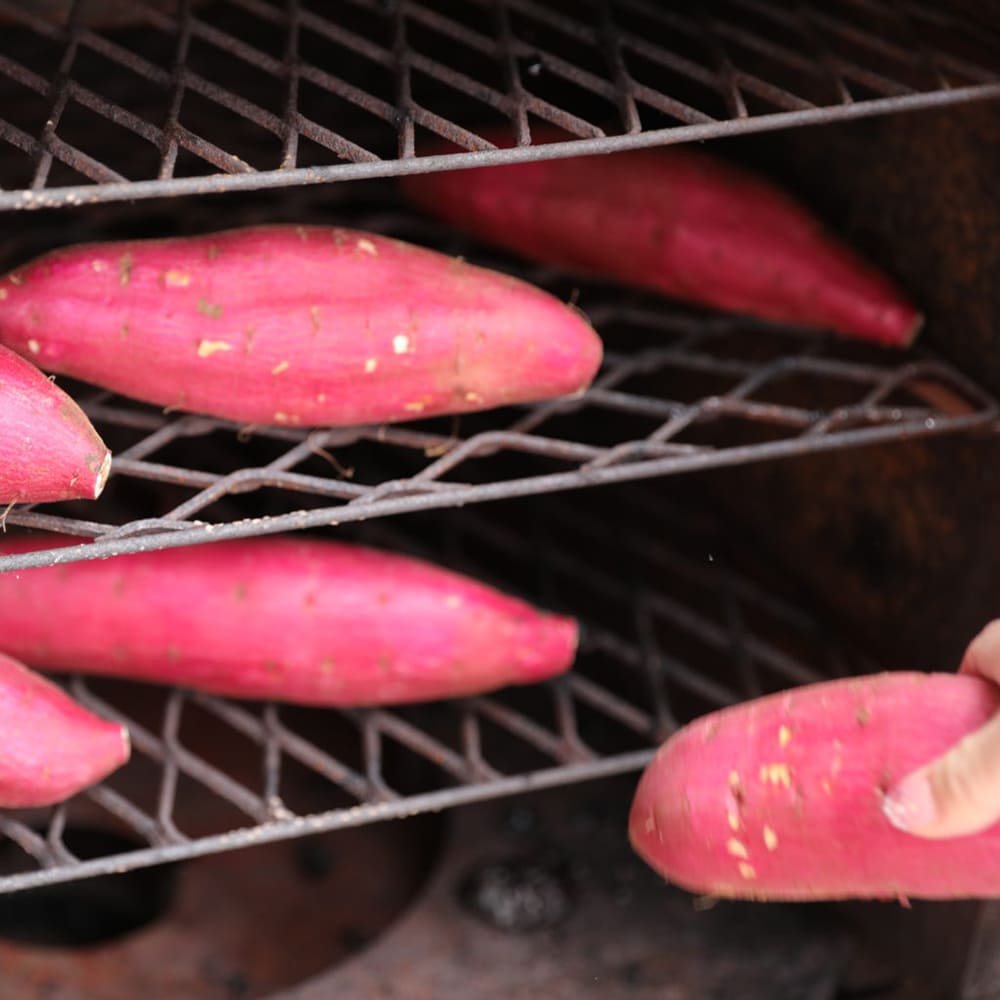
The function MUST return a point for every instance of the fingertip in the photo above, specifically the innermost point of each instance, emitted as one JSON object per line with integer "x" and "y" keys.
{"x": 910, "y": 805}
{"x": 982, "y": 658}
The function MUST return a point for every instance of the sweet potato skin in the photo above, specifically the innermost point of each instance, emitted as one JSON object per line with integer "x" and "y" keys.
{"x": 49, "y": 450}
{"x": 292, "y": 619}
{"x": 782, "y": 798}
{"x": 675, "y": 221}
{"x": 296, "y": 325}
{"x": 50, "y": 747}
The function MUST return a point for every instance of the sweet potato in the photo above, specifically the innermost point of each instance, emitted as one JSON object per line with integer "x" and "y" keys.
{"x": 782, "y": 798}
{"x": 50, "y": 747}
{"x": 48, "y": 448}
{"x": 292, "y": 619}
{"x": 295, "y": 325}
{"x": 679, "y": 222}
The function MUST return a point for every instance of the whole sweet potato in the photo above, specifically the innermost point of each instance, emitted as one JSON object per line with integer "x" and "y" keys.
{"x": 298, "y": 325}
{"x": 676, "y": 221}
{"x": 50, "y": 747}
{"x": 291, "y": 619}
{"x": 48, "y": 448}
{"x": 782, "y": 798}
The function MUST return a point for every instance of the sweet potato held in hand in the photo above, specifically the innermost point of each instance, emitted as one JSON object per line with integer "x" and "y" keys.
{"x": 676, "y": 221}
{"x": 291, "y": 619}
{"x": 48, "y": 448}
{"x": 782, "y": 798}
{"x": 297, "y": 325}
{"x": 50, "y": 747}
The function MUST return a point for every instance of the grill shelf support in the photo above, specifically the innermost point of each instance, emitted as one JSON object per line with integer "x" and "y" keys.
{"x": 255, "y": 94}
{"x": 653, "y": 637}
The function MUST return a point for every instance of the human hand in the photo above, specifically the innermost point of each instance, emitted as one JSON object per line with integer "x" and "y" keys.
{"x": 959, "y": 793}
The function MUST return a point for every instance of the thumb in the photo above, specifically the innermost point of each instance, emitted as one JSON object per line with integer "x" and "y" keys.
{"x": 955, "y": 795}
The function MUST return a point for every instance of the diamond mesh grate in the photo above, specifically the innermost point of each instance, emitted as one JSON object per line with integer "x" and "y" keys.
{"x": 638, "y": 422}
{"x": 680, "y": 391}
{"x": 220, "y": 96}
{"x": 672, "y": 627}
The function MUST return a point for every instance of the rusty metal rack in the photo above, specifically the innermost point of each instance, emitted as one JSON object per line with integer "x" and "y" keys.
{"x": 195, "y": 97}
{"x": 672, "y": 627}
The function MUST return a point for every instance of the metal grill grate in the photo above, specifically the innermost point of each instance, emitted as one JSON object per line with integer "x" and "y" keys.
{"x": 672, "y": 628}
{"x": 549, "y": 448}
{"x": 680, "y": 391}
{"x": 242, "y": 94}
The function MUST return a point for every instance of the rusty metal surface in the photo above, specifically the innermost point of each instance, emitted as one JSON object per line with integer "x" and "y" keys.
{"x": 251, "y": 94}
{"x": 671, "y": 629}
{"x": 600, "y": 924}
{"x": 931, "y": 221}
{"x": 900, "y": 543}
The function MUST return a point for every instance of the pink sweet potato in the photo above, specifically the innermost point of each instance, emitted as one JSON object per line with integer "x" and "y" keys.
{"x": 50, "y": 747}
{"x": 679, "y": 222}
{"x": 782, "y": 798}
{"x": 296, "y": 325}
{"x": 298, "y": 620}
{"x": 48, "y": 448}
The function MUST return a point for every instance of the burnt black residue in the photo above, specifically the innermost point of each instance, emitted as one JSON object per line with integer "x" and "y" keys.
{"x": 519, "y": 895}
{"x": 874, "y": 549}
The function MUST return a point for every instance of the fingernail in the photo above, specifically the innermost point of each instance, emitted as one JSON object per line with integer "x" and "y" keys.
{"x": 910, "y": 805}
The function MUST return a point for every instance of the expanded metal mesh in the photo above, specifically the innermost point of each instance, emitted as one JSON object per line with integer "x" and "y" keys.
{"x": 215, "y": 96}
{"x": 695, "y": 393}
{"x": 672, "y": 627}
